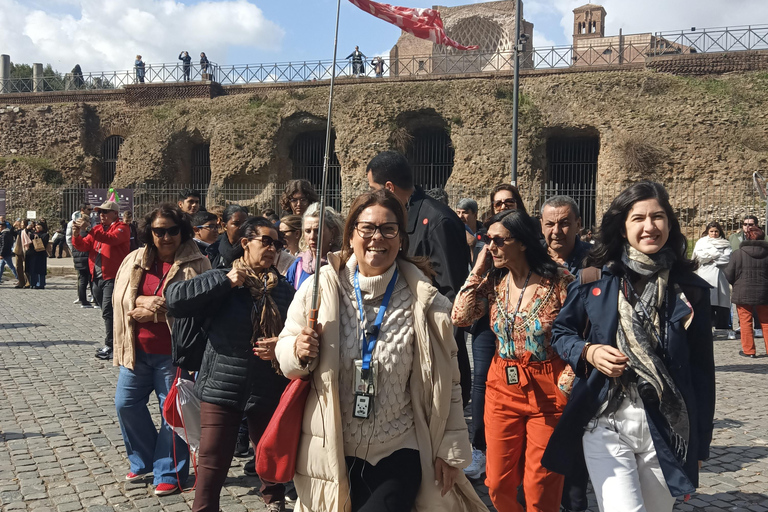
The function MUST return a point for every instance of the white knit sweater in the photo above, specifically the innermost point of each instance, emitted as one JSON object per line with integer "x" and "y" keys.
{"x": 390, "y": 426}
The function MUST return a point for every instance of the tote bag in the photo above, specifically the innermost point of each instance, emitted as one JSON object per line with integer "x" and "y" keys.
{"x": 39, "y": 245}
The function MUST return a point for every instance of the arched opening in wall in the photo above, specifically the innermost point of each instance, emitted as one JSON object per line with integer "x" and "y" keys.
{"x": 430, "y": 154}
{"x": 307, "y": 153}
{"x": 110, "y": 149}
{"x": 201, "y": 165}
{"x": 572, "y": 171}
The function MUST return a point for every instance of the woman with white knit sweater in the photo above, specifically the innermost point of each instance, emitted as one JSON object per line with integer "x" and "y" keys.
{"x": 383, "y": 426}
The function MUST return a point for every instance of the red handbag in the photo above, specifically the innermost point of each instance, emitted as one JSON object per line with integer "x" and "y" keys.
{"x": 170, "y": 407}
{"x": 279, "y": 445}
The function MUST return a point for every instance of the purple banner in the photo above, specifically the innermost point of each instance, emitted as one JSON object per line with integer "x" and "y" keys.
{"x": 96, "y": 197}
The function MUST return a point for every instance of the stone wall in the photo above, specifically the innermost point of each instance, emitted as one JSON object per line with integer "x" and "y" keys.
{"x": 697, "y": 130}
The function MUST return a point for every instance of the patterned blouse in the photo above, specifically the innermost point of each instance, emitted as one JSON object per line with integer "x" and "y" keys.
{"x": 532, "y": 331}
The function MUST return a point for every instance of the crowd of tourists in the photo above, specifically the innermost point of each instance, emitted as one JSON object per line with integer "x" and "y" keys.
{"x": 593, "y": 357}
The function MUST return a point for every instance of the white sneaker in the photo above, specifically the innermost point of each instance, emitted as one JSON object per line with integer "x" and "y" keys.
{"x": 76, "y": 301}
{"x": 477, "y": 468}
{"x": 731, "y": 335}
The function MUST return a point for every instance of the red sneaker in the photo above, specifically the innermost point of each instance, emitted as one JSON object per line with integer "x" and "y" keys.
{"x": 131, "y": 476}
{"x": 165, "y": 489}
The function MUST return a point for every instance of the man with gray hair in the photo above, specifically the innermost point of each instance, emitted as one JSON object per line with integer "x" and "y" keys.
{"x": 560, "y": 225}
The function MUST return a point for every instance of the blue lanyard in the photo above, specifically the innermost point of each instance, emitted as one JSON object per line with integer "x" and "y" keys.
{"x": 371, "y": 335}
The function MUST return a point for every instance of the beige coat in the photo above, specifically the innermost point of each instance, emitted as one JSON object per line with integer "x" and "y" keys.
{"x": 321, "y": 479}
{"x": 188, "y": 263}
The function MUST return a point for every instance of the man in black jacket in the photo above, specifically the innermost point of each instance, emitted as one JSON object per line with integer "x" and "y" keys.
{"x": 6, "y": 248}
{"x": 434, "y": 231}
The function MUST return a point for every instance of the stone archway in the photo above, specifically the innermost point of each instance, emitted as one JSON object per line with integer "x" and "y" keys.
{"x": 423, "y": 137}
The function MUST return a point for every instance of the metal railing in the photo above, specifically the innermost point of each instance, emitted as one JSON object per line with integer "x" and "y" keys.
{"x": 695, "y": 204}
{"x": 614, "y": 50}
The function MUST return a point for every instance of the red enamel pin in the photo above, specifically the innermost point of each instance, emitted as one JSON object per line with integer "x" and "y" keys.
{"x": 425, "y": 221}
{"x": 596, "y": 291}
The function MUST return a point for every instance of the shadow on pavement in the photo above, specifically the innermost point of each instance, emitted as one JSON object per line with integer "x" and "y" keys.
{"x": 744, "y": 368}
{"x": 45, "y": 343}
{"x": 20, "y": 326}
{"x": 739, "y": 456}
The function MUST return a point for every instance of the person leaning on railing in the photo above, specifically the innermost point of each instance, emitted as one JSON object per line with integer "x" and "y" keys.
{"x": 139, "y": 65}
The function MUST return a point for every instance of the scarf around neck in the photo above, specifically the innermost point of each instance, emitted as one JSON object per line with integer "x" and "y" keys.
{"x": 267, "y": 323}
{"x": 637, "y": 337}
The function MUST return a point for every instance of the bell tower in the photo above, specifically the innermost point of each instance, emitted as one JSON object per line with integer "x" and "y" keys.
{"x": 588, "y": 22}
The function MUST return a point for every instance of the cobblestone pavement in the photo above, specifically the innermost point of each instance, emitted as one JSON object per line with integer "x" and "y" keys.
{"x": 61, "y": 449}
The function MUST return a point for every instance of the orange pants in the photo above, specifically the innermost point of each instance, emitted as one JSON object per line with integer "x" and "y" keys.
{"x": 745, "y": 321}
{"x": 519, "y": 419}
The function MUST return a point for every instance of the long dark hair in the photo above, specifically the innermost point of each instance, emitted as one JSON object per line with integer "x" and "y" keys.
{"x": 388, "y": 200}
{"x": 171, "y": 212}
{"x": 515, "y": 193}
{"x": 610, "y": 238}
{"x": 711, "y": 225}
{"x": 523, "y": 228}
{"x": 302, "y": 186}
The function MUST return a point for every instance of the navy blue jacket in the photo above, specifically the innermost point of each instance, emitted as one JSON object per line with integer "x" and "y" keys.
{"x": 230, "y": 375}
{"x": 689, "y": 358}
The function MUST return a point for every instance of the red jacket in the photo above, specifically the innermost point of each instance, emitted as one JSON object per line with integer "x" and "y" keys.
{"x": 113, "y": 245}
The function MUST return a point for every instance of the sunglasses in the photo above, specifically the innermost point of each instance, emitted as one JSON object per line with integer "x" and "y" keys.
{"x": 266, "y": 241}
{"x": 160, "y": 232}
{"x": 509, "y": 203}
{"x": 387, "y": 230}
{"x": 498, "y": 241}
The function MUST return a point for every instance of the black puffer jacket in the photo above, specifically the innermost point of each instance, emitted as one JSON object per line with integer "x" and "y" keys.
{"x": 230, "y": 376}
{"x": 747, "y": 271}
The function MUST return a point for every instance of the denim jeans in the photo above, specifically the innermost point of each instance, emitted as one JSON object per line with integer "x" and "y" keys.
{"x": 147, "y": 449}
{"x": 7, "y": 260}
{"x": 483, "y": 348}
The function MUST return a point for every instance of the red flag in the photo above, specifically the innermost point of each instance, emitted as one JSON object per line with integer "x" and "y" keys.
{"x": 422, "y": 23}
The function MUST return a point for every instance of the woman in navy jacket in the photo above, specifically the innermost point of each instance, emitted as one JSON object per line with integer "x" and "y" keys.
{"x": 639, "y": 340}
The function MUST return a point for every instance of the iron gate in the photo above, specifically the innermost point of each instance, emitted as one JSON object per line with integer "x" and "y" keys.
{"x": 109, "y": 151}
{"x": 572, "y": 171}
{"x": 201, "y": 164}
{"x": 431, "y": 157}
{"x": 307, "y": 153}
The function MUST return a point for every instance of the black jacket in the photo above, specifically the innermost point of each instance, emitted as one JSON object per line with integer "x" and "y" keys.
{"x": 6, "y": 242}
{"x": 230, "y": 376}
{"x": 688, "y": 356}
{"x": 747, "y": 271}
{"x": 211, "y": 251}
{"x": 436, "y": 232}
{"x": 37, "y": 261}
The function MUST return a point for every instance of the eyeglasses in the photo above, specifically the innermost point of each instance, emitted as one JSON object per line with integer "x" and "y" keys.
{"x": 509, "y": 203}
{"x": 367, "y": 230}
{"x": 749, "y": 223}
{"x": 266, "y": 241}
{"x": 498, "y": 241}
{"x": 207, "y": 226}
{"x": 160, "y": 232}
{"x": 298, "y": 200}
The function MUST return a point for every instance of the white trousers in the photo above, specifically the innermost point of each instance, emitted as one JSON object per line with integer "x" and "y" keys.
{"x": 622, "y": 463}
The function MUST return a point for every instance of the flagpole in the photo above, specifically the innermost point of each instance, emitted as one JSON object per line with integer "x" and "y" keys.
{"x": 324, "y": 189}
{"x": 515, "y": 93}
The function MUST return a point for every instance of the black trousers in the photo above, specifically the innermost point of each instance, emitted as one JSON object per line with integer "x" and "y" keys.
{"x": 389, "y": 486}
{"x": 465, "y": 370}
{"x": 102, "y": 294}
{"x": 83, "y": 279}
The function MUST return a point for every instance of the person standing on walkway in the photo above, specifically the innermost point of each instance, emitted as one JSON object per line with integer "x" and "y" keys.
{"x": 20, "y": 252}
{"x": 639, "y": 340}
{"x": 358, "y": 68}
{"x": 246, "y": 306}
{"x": 712, "y": 252}
{"x": 107, "y": 245}
{"x": 79, "y": 258}
{"x": 560, "y": 225}
{"x": 6, "y": 250}
{"x": 230, "y": 248}
{"x": 142, "y": 347}
{"x": 139, "y": 67}
{"x": 186, "y": 65}
{"x": 204, "y": 63}
{"x": 747, "y": 271}
{"x": 38, "y": 261}
{"x": 523, "y": 289}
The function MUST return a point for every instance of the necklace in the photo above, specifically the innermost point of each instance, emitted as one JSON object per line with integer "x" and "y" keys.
{"x": 509, "y": 320}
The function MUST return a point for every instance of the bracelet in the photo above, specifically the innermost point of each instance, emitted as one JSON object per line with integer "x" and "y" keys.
{"x": 584, "y": 353}
{"x": 155, "y": 316}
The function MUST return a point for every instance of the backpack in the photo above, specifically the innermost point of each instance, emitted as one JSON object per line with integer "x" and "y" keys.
{"x": 189, "y": 337}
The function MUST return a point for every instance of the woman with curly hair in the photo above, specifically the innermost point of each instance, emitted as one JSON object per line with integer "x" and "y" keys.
{"x": 298, "y": 195}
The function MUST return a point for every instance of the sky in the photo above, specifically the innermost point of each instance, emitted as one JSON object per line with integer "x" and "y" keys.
{"x": 106, "y": 35}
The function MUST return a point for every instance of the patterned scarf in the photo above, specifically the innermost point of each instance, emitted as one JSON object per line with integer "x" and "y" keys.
{"x": 637, "y": 339}
{"x": 267, "y": 322}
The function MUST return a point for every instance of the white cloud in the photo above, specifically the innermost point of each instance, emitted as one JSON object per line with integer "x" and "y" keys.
{"x": 107, "y": 34}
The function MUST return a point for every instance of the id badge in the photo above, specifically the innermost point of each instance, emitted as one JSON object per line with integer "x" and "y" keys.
{"x": 365, "y": 386}
{"x": 363, "y": 405}
{"x": 512, "y": 376}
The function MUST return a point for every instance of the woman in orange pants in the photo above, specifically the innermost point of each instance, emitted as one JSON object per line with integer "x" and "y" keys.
{"x": 527, "y": 381}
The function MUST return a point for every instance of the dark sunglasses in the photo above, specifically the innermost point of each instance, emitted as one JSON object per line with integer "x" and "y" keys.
{"x": 160, "y": 232}
{"x": 509, "y": 203}
{"x": 266, "y": 241}
{"x": 498, "y": 241}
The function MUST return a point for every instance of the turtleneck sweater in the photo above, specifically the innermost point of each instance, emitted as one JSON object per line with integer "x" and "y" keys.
{"x": 390, "y": 425}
